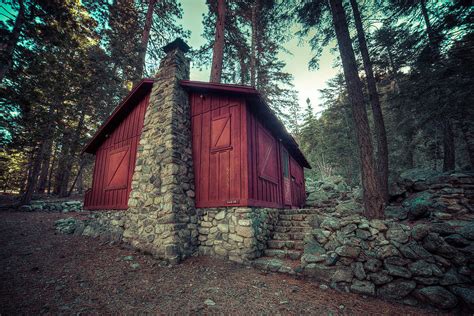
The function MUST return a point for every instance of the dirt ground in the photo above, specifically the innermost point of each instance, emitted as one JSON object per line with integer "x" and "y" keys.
{"x": 42, "y": 272}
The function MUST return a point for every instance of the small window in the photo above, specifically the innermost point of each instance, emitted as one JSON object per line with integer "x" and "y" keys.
{"x": 285, "y": 162}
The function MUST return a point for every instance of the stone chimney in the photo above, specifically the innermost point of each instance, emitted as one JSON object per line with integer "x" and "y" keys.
{"x": 161, "y": 218}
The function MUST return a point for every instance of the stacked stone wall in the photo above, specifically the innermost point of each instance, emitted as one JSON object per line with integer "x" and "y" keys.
{"x": 237, "y": 234}
{"x": 430, "y": 263}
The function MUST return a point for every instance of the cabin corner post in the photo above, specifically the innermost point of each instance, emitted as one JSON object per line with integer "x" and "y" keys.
{"x": 161, "y": 217}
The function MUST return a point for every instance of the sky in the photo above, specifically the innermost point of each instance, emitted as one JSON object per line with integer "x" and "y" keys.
{"x": 306, "y": 82}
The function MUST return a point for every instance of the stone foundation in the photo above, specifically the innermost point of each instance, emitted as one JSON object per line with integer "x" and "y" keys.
{"x": 237, "y": 234}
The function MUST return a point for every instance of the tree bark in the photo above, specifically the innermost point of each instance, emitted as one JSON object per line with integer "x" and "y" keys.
{"x": 373, "y": 197}
{"x": 33, "y": 174}
{"x": 43, "y": 177}
{"x": 426, "y": 18}
{"x": 449, "y": 152}
{"x": 253, "y": 56}
{"x": 218, "y": 49}
{"x": 379, "y": 124}
{"x": 469, "y": 139}
{"x": 145, "y": 37}
{"x": 9, "y": 47}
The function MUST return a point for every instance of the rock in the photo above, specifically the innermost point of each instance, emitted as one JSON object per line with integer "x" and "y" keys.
{"x": 135, "y": 265}
{"x": 358, "y": 270}
{"x": 398, "y": 261}
{"x": 420, "y": 205}
{"x": 363, "y": 287}
{"x": 417, "y": 175}
{"x": 378, "y": 224}
{"x": 209, "y": 302}
{"x": 443, "y": 229}
{"x": 386, "y": 251}
{"x": 25, "y": 208}
{"x": 398, "y": 271}
{"x": 396, "y": 233}
{"x": 331, "y": 223}
{"x": 437, "y": 296}
{"x": 380, "y": 278}
{"x": 309, "y": 258}
{"x": 349, "y": 229}
{"x": 128, "y": 258}
{"x": 419, "y": 231}
{"x": 397, "y": 212}
{"x": 451, "y": 277}
{"x": 319, "y": 235}
{"x": 457, "y": 240}
{"x": 220, "y": 215}
{"x": 372, "y": 265}
{"x": 342, "y": 275}
{"x": 363, "y": 234}
{"x": 414, "y": 250}
{"x": 332, "y": 259}
{"x": 466, "y": 294}
{"x": 314, "y": 248}
{"x": 397, "y": 289}
{"x": 468, "y": 231}
{"x": 348, "y": 251}
{"x": 349, "y": 207}
{"x": 426, "y": 281}
{"x": 435, "y": 244}
{"x": 421, "y": 268}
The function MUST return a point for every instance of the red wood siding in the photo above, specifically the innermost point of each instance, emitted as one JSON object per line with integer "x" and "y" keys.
{"x": 265, "y": 173}
{"x": 298, "y": 192}
{"x": 219, "y": 149}
{"x": 115, "y": 162}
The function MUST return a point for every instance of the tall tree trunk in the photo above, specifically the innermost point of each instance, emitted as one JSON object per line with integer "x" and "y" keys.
{"x": 51, "y": 169}
{"x": 373, "y": 197}
{"x": 8, "y": 47}
{"x": 469, "y": 139}
{"x": 429, "y": 28}
{"x": 253, "y": 51}
{"x": 43, "y": 177}
{"x": 218, "y": 49}
{"x": 449, "y": 155}
{"x": 33, "y": 174}
{"x": 379, "y": 124}
{"x": 145, "y": 37}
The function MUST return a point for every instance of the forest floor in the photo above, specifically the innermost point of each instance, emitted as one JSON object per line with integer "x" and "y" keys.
{"x": 43, "y": 272}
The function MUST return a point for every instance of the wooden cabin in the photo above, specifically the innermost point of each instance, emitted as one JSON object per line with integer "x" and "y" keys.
{"x": 242, "y": 154}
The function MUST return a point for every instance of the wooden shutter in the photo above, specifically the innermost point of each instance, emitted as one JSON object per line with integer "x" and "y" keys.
{"x": 117, "y": 168}
{"x": 267, "y": 156}
{"x": 220, "y": 133}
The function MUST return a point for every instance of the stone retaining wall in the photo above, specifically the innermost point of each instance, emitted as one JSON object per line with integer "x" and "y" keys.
{"x": 52, "y": 206}
{"x": 106, "y": 225}
{"x": 237, "y": 234}
{"x": 429, "y": 263}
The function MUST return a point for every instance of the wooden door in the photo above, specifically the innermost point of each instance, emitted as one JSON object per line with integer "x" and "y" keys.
{"x": 285, "y": 163}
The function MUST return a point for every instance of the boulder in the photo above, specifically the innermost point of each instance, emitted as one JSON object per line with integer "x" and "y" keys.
{"x": 358, "y": 270}
{"x": 372, "y": 265}
{"x": 396, "y": 233}
{"x": 451, "y": 277}
{"x": 437, "y": 296}
{"x": 420, "y": 268}
{"x": 466, "y": 294}
{"x": 380, "y": 278}
{"x": 416, "y": 175}
{"x": 363, "y": 287}
{"x": 435, "y": 244}
{"x": 420, "y": 205}
{"x": 468, "y": 231}
{"x": 397, "y": 289}
{"x": 398, "y": 212}
{"x": 419, "y": 231}
{"x": 397, "y": 271}
{"x": 348, "y": 251}
{"x": 457, "y": 240}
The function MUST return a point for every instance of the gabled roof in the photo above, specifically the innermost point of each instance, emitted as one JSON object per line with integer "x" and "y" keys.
{"x": 259, "y": 107}
{"x": 120, "y": 112}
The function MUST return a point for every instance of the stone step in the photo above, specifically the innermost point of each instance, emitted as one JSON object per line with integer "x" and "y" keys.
{"x": 298, "y": 211}
{"x": 289, "y": 236}
{"x": 291, "y": 229}
{"x": 294, "y": 223}
{"x": 293, "y": 217}
{"x": 285, "y": 244}
{"x": 282, "y": 254}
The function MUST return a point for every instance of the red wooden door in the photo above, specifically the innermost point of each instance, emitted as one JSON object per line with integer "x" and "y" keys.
{"x": 285, "y": 162}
